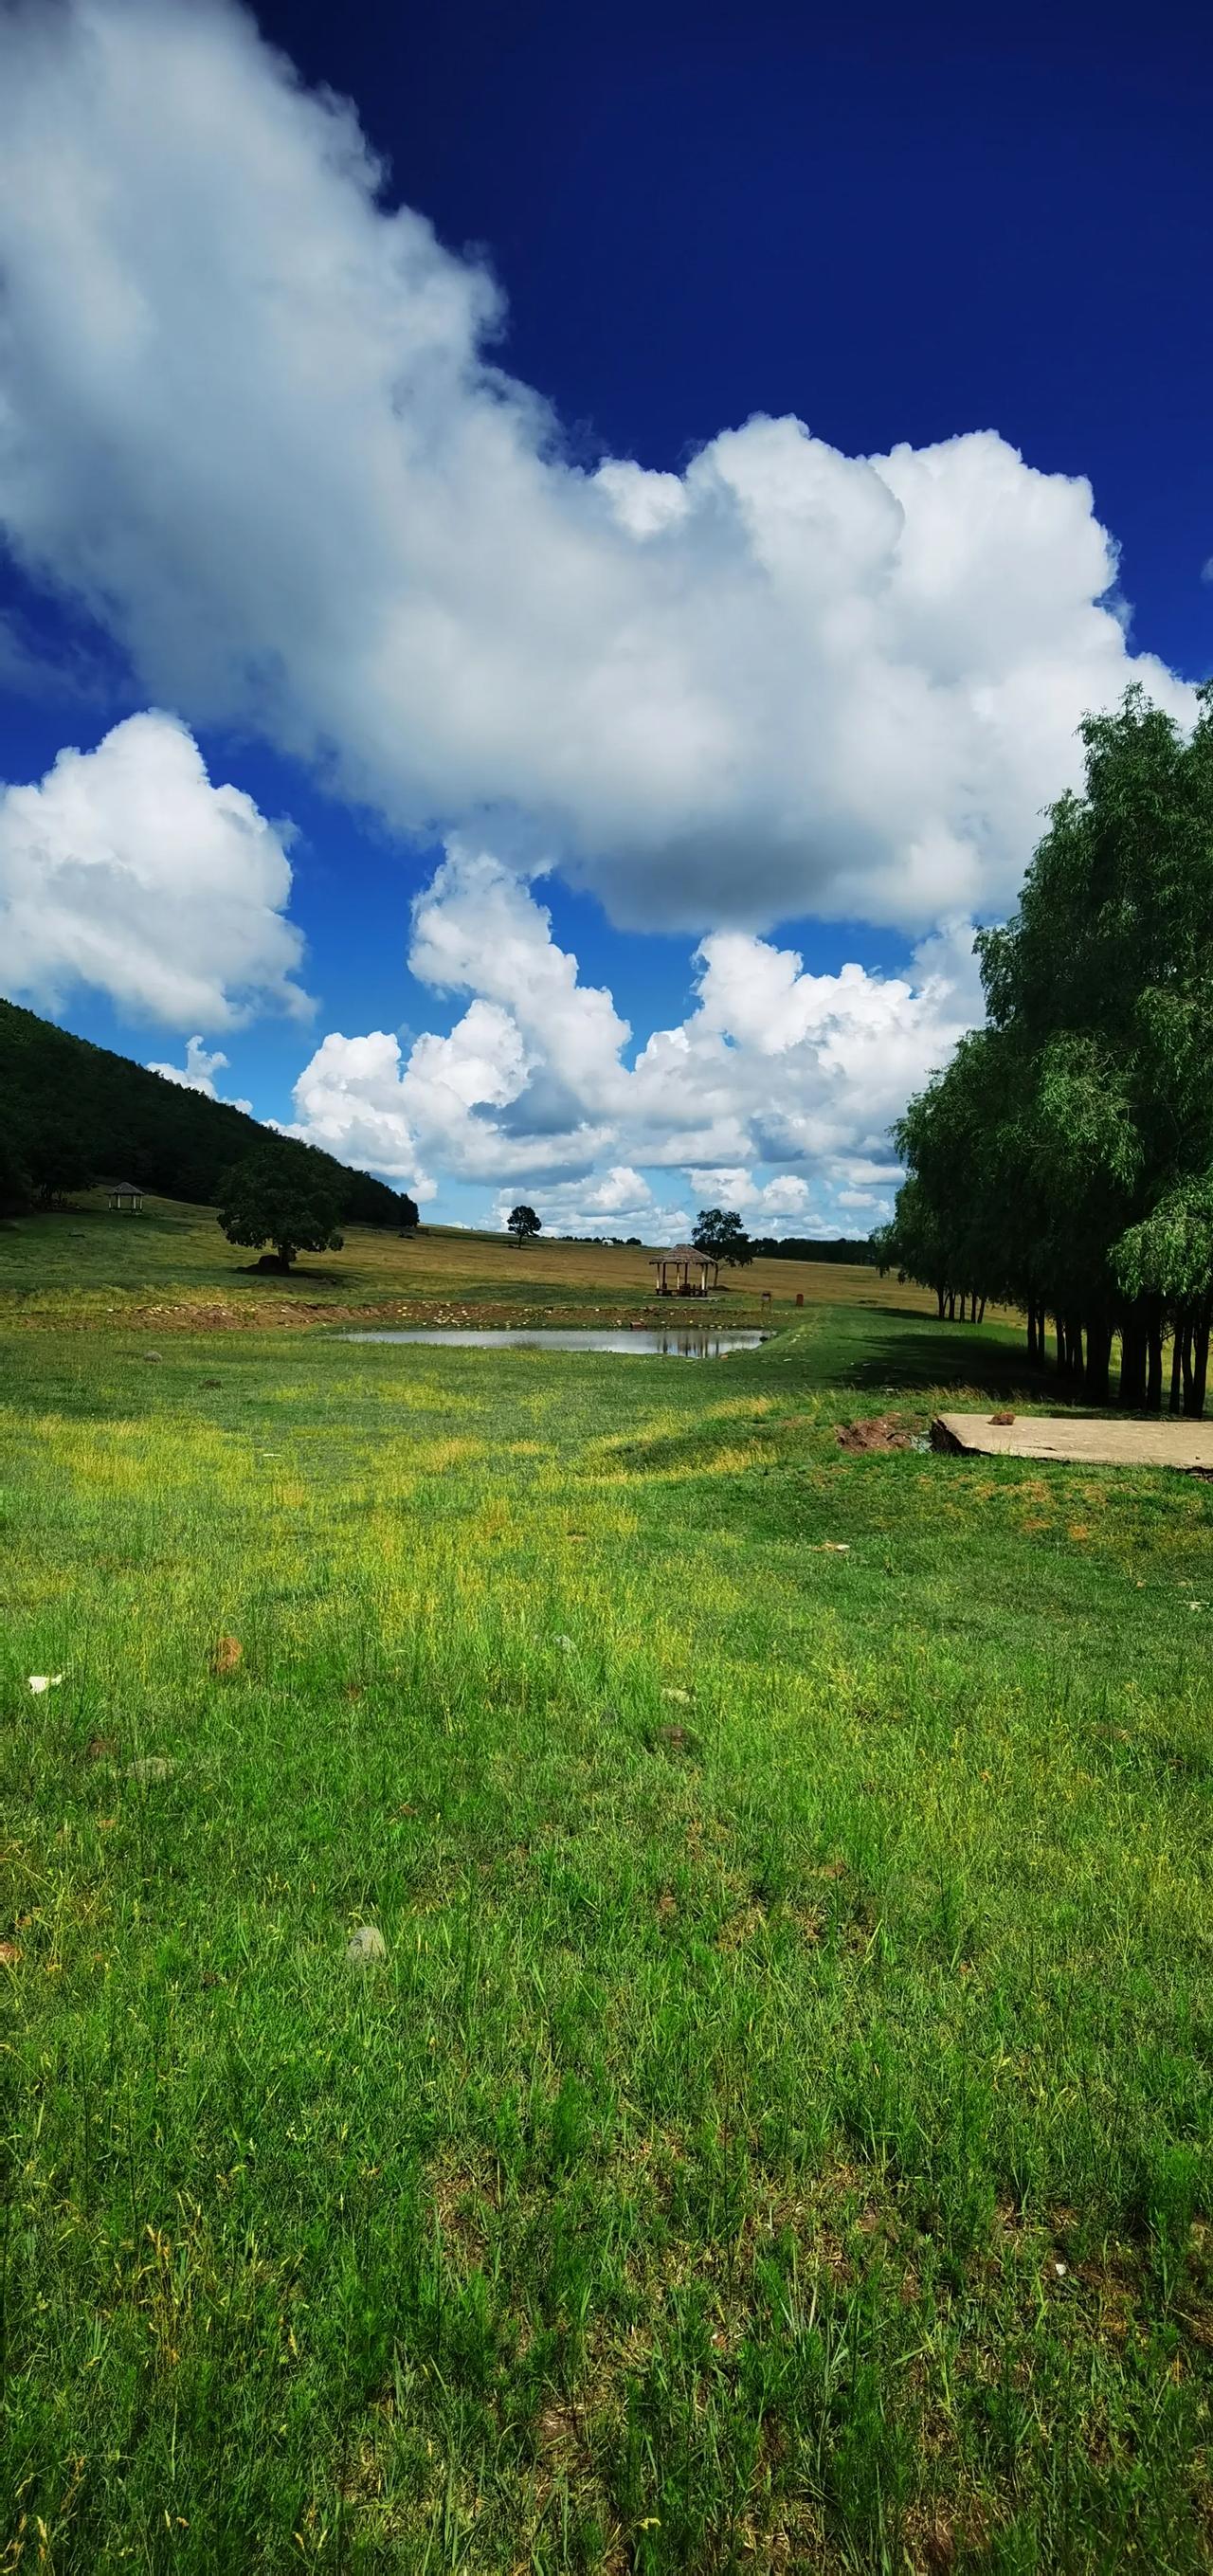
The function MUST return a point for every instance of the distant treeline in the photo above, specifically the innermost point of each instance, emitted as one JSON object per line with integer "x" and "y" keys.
{"x": 806, "y": 1247}
{"x": 72, "y": 1114}
{"x": 793, "y": 1247}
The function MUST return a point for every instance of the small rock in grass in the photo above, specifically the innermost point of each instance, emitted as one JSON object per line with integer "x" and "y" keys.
{"x": 879, "y": 1431}
{"x": 151, "y": 1766}
{"x": 677, "y": 1739}
{"x": 366, "y": 1947}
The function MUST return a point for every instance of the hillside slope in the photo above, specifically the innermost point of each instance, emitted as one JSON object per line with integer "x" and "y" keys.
{"x": 73, "y": 1113}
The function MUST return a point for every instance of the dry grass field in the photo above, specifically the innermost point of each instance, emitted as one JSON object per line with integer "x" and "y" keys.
{"x": 173, "y": 1263}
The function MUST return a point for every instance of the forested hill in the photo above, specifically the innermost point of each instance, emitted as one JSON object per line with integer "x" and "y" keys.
{"x": 72, "y": 1114}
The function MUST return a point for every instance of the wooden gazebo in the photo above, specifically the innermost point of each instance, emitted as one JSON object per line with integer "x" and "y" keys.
{"x": 690, "y": 1269}
{"x": 126, "y": 1196}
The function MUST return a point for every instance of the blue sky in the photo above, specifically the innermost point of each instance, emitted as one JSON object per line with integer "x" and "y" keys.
{"x": 683, "y": 544}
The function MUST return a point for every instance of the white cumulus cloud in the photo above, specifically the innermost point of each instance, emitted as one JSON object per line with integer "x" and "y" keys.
{"x": 125, "y": 870}
{"x": 618, "y": 1201}
{"x": 252, "y": 418}
{"x": 532, "y": 1091}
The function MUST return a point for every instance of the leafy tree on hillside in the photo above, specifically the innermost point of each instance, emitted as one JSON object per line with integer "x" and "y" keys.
{"x": 719, "y": 1232}
{"x": 16, "y": 1187}
{"x": 523, "y": 1224}
{"x": 54, "y": 1153}
{"x": 263, "y": 1202}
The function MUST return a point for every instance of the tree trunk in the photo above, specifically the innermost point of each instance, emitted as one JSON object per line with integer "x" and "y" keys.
{"x": 1195, "y": 1405}
{"x": 1032, "y": 1344}
{"x": 1177, "y": 1350}
{"x": 951, "y": 1305}
{"x": 1133, "y": 1363}
{"x": 1069, "y": 1346}
{"x": 1099, "y": 1353}
{"x": 1154, "y": 1362}
{"x": 939, "y": 1300}
{"x": 981, "y": 1312}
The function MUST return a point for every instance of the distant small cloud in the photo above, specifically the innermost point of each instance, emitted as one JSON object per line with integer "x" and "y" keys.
{"x": 1206, "y": 570}
{"x": 198, "y": 1073}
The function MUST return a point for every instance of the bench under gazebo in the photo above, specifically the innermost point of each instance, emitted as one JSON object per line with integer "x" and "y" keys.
{"x": 690, "y": 1268}
{"x": 126, "y": 1197}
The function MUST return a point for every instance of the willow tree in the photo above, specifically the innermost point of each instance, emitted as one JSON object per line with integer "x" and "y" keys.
{"x": 1065, "y": 1156}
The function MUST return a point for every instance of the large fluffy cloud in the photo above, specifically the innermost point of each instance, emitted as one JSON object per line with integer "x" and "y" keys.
{"x": 127, "y": 871}
{"x": 533, "y": 1089}
{"x": 251, "y": 420}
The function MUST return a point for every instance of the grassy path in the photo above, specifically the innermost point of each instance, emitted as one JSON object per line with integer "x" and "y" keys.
{"x": 778, "y": 2134}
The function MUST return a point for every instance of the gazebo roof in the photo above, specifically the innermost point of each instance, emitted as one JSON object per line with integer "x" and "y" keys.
{"x": 681, "y": 1252}
{"x": 125, "y": 1189}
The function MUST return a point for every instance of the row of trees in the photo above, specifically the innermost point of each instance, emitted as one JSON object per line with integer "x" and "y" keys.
{"x": 853, "y": 1249}
{"x": 1063, "y": 1161}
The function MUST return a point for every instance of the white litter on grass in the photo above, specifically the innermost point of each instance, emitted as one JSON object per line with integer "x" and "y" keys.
{"x": 565, "y": 1644}
{"x": 44, "y": 1681}
{"x": 671, "y": 1693}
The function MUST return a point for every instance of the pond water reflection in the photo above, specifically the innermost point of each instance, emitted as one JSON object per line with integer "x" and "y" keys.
{"x": 663, "y": 1342}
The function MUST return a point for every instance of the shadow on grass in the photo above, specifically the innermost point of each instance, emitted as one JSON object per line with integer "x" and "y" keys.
{"x": 945, "y": 1355}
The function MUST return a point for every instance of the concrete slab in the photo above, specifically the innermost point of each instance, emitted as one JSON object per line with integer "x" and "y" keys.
{"x": 1079, "y": 1440}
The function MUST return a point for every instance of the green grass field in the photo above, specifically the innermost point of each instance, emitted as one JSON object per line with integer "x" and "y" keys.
{"x": 777, "y": 2135}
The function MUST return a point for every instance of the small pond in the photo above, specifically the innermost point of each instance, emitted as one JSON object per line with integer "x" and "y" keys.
{"x": 670, "y": 1342}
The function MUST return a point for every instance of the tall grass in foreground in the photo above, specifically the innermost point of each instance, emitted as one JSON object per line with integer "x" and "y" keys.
{"x": 778, "y": 2134}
